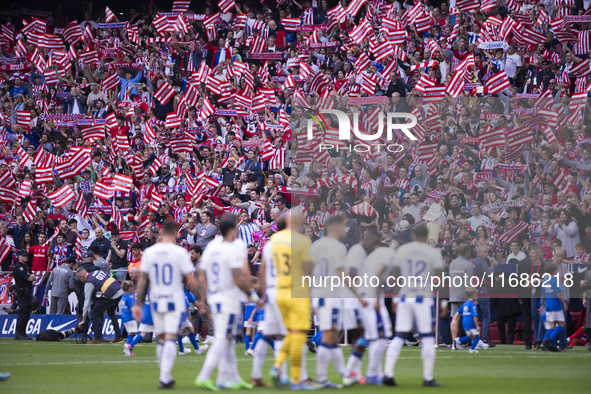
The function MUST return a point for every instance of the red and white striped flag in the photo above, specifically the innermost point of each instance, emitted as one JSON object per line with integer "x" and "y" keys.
{"x": 150, "y": 134}
{"x": 226, "y": 5}
{"x": 102, "y": 190}
{"x": 61, "y": 197}
{"x": 497, "y": 82}
{"x": 93, "y": 133}
{"x": 5, "y": 249}
{"x": 561, "y": 181}
{"x": 78, "y": 249}
{"x": 116, "y": 215}
{"x": 80, "y": 205}
{"x": 354, "y": 7}
{"x": 72, "y": 33}
{"x": 581, "y": 69}
{"x": 44, "y": 174}
{"x": 25, "y": 189}
{"x": 88, "y": 35}
{"x": 206, "y": 109}
{"x": 122, "y": 183}
{"x": 520, "y": 136}
{"x": 164, "y": 93}
{"x": 156, "y": 164}
{"x": 364, "y": 209}
{"x": 111, "y": 82}
{"x": 510, "y": 235}
{"x": 23, "y": 118}
{"x": 74, "y": 164}
{"x": 30, "y": 211}
{"x": 181, "y": 6}
{"x": 109, "y": 15}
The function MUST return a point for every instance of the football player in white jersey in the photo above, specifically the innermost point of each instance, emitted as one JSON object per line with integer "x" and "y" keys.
{"x": 328, "y": 256}
{"x": 224, "y": 279}
{"x": 377, "y": 327}
{"x": 415, "y": 263}
{"x": 353, "y": 303}
{"x": 163, "y": 267}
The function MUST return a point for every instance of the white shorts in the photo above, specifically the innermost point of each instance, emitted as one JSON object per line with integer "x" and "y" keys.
{"x": 328, "y": 311}
{"x": 186, "y": 324}
{"x": 273, "y": 320}
{"x": 547, "y": 325}
{"x": 351, "y": 318}
{"x": 261, "y": 326}
{"x": 376, "y": 324}
{"x": 409, "y": 313}
{"x": 167, "y": 322}
{"x": 555, "y": 316}
{"x": 131, "y": 327}
{"x": 225, "y": 325}
{"x": 250, "y": 325}
{"x": 473, "y": 332}
{"x": 145, "y": 328}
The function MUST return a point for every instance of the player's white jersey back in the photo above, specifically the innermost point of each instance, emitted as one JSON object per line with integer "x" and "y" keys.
{"x": 417, "y": 262}
{"x": 166, "y": 264}
{"x": 270, "y": 274}
{"x": 372, "y": 265}
{"x": 328, "y": 255}
{"x": 218, "y": 261}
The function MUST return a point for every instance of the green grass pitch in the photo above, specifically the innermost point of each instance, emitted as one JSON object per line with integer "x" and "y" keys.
{"x": 63, "y": 368}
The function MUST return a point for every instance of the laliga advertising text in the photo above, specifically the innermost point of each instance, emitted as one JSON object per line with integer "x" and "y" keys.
{"x": 433, "y": 283}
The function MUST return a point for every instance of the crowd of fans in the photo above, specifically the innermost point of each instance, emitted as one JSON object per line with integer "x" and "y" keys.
{"x": 112, "y": 125}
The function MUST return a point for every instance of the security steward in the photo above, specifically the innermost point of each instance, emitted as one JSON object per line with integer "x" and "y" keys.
{"x": 109, "y": 294}
{"x": 24, "y": 279}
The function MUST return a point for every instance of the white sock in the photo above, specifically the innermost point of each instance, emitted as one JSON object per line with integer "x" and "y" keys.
{"x": 338, "y": 359}
{"x": 376, "y": 351}
{"x": 323, "y": 356}
{"x": 392, "y": 355}
{"x": 233, "y": 365}
{"x": 428, "y": 356}
{"x": 159, "y": 347}
{"x": 259, "y": 358}
{"x": 225, "y": 376}
{"x": 213, "y": 356}
{"x": 303, "y": 371}
{"x": 354, "y": 364}
{"x": 278, "y": 345}
{"x": 167, "y": 360}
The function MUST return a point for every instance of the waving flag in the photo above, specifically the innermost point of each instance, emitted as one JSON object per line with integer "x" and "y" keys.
{"x": 364, "y": 209}
{"x": 102, "y": 190}
{"x": 181, "y": 6}
{"x": 29, "y": 212}
{"x": 510, "y": 235}
{"x": 226, "y": 5}
{"x": 497, "y": 82}
{"x": 61, "y": 196}
{"x": 23, "y": 118}
{"x": 156, "y": 164}
{"x": 44, "y": 174}
{"x": 109, "y": 15}
{"x": 74, "y": 164}
{"x": 80, "y": 206}
{"x": 72, "y": 33}
{"x": 354, "y": 7}
{"x": 93, "y": 133}
{"x": 164, "y": 93}
{"x": 111, "y": 82}
{"x": 581, "y": 69}
{"x": 116, "y": 215}
{"x": 122, "y": 183}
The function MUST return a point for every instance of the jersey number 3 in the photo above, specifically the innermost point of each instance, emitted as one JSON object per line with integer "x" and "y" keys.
{"x": 283, "y": 263}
